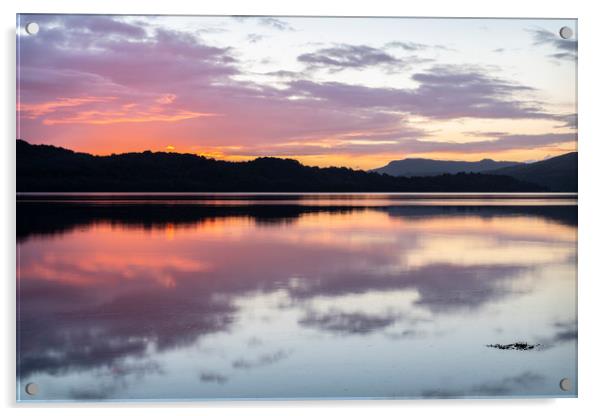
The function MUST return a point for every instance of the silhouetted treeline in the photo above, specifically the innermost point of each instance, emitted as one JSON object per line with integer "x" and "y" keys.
{"x": 43, "y": 168}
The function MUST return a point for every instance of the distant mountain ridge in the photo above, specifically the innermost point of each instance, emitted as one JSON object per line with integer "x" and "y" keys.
{"x": 432, "y": 167}
{"x": 44, "y": 168}
{"x": 559, "y": 174}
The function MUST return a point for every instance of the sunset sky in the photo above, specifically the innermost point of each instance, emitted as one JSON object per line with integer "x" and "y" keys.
{"x": 354, "y": 92}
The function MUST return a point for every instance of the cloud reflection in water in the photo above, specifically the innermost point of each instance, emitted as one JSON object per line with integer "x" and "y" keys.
{"x": 99, "y": 287}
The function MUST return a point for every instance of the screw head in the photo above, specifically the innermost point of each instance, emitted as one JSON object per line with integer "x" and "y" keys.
{"x": 565, "y": 384}
{"x": 566, "y": 32}
{"x": 31, "y": 389}
{"x": 32, "y": 28}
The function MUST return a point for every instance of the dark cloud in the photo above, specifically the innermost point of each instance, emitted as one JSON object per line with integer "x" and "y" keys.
{"x": 341, "y": 57}
{"x": 405, "y": 334}
{"x": 415, "y": 46}
{"x": 444, "y": 92}
{"x": 441, "y": 288}
{"x": 261, "y": 361}
{"x": 566, "y": 48}
{"x": 88, "y": 335}
{"x": 275, "y": 23}
{"x": 284, "y": 73}
{"x": 112, "y": 380}
{"x": 394, "y": 141}
{"x": 467, "y": 76}
{"x": 408, "y": 46}
{"x": 108, "y": 26}
{"x": 569, "y": 120}
{"x": 566, "y": 331}
{"x": 212, "y": 377}
{"x": 267, "y": 21}
{"x": 561, "y": 332}
{"x": 497, "y": 143}
{"x": 347, "y": 322}
{"x": 135, "y": 370}
{"x": 444, "y": 287}
{"x": 103, "y": 25}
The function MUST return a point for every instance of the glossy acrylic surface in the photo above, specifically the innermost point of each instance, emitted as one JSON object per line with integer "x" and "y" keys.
{"x": 307, "y": 296}
{"x": 279, "y": 207}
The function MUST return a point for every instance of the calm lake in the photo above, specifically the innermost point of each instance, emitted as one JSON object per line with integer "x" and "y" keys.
{"x": 200, "y": 296}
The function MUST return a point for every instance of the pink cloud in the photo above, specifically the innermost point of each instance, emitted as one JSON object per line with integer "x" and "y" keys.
{"x": 35, "y": 110}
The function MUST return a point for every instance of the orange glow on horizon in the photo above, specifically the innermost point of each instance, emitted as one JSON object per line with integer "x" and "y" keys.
{"x": 105, "y": 125}
{"x": 353, "y": 161}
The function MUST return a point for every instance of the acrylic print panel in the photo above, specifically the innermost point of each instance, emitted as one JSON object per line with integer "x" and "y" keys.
{"x": 295, "y": 207}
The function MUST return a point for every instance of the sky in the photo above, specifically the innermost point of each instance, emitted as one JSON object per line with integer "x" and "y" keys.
{"x": 355, "y": 92}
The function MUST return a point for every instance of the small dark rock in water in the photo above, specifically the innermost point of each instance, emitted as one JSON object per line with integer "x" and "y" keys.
{"x": 522, "y": 346}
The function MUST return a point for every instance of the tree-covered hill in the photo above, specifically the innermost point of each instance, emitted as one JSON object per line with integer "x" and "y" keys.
{"x": 44, "y": 168}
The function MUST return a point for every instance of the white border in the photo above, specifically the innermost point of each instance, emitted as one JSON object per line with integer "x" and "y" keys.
{"x": 590, "y": 119}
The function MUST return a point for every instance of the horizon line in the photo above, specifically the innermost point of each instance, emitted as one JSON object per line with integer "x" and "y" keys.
{"x": 254, "y": 157}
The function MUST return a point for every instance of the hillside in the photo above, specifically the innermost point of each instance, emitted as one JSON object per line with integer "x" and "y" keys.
{"x": 559, "y": 174}
{"x": 43, "y": 168}
{"x": 431, "y": 167}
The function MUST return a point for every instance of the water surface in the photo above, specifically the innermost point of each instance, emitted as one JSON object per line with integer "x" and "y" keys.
{"x": 202, "y": 296}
